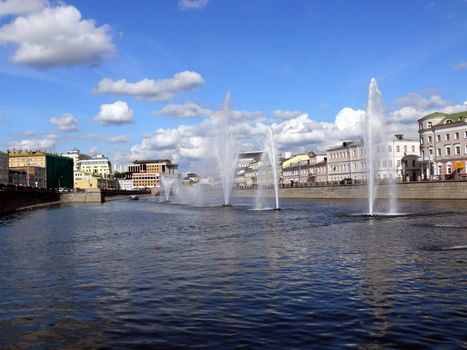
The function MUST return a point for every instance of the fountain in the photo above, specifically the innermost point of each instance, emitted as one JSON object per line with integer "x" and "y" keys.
{"x": 268, "y": 164}
{"x": 169, "y": 184}
{"x": 375, "y": 138}
{"x": 226, "y": 152}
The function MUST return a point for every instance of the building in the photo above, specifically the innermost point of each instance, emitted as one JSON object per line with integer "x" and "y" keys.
{"x": 295, "y": 170}
{"x": 147, "y": 173}
{"x": 98, "y": 165}
{"x": 443, "y": 145}
{"x": 4, "y": 168}
{"x": 395, "y": 159}
{"x": 76, "y": 156}
{"x": 58, "y": 170}
{"x": 86, "y": 181}
{"x": 125, "y": 184}
{"x": 247, "y": 165}
{"x": 34, "y": 176}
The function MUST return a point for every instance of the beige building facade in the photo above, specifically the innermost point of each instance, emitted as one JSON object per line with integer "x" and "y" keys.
{"x": 147, "y": 173}
{"x": 443, "y": 145}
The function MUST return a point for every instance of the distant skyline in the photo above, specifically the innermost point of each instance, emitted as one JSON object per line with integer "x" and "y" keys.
{"x": 145, "y": 79}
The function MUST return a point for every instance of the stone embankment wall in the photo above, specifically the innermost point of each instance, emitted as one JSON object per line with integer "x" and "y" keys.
{"x": 82, "y": 197}
{"x": 407, "y": 190}
{"x": 12, "y": 200}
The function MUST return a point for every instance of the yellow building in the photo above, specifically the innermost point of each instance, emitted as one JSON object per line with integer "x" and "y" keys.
{"x": 85, "y": 181}
{"x": 295, "y": 159}
{"x": 147, "y": 173}
{"x": 58, "y": 169}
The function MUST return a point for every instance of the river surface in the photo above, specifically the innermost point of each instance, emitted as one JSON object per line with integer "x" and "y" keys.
{"x": 143, "y": 274}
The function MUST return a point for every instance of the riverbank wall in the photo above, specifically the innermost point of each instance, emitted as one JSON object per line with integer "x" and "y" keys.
{"x": 439, "y": 190}
{"x": 12, "y": 200}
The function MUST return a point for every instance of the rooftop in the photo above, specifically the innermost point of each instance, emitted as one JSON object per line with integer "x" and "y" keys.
{"x": 454, "y": 117}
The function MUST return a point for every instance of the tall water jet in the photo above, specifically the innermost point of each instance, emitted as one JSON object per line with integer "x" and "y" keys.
{"x": 226, "y": 152}
{"x": 268, "y": 163}
{"x": 375, "y": 139}
{"x": 169, "y": 185}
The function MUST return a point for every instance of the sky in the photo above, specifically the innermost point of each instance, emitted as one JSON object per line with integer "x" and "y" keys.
{"x": 147, "y": 79}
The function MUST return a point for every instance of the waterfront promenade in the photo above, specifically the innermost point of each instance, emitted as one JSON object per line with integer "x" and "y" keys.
{"x": 423, "y": 190}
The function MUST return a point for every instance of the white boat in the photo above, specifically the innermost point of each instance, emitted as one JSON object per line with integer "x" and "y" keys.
{"x": 133, "y": 197}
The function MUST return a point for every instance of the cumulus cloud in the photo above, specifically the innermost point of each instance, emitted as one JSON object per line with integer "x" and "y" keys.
{"x": 115, "y": 113}
{"x": 46, "y": 143}
{"x": 192, "y": 4}
{"x": 461, "y": 66}
{"x": 21, "y": 7}
{"x": 65, "y": 123}
{"x": 154, "y": 90}
{"x": 281, "y": 114}
{"x": 191, "y": 145}
{"x": 57, "y": 36}
{"x": 187, "y": 110}
{"x": 417, "y": 101}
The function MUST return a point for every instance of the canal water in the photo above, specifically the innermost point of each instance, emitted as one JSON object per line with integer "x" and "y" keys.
{"x": 143, "y": 274}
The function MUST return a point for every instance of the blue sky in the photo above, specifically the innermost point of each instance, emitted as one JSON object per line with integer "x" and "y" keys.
{"x": 144, "y": 79}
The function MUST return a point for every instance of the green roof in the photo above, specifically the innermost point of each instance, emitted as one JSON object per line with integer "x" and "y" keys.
{"x": 454, "y": 117}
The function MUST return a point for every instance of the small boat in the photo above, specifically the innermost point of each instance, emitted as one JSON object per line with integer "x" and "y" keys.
{"x": 133, "y": 197}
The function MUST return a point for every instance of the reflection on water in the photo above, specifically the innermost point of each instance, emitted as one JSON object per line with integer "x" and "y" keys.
{"x": 138, "y": 274}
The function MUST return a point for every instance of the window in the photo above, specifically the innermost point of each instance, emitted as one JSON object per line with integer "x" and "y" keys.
{"x": 448, "y": 150}
{"x": 405, "y": 149}
{"x": 457, "y": 149}
{"x": 430, "y": 139}
{"x": 456, "y": 136}
{"x": 413, "y": 148}
{"x": 398, "y": 148}
{"x": 430, "y": 125}
{"x": 448, "y": 168}
{"x": 431, "y": 151}
{"x": 447, "y": 137}
{"x": 413, "y": 163}
{"x": 438, "y": 152}
{"x": 465, "y": 134}
{"x": 438, "y": 138}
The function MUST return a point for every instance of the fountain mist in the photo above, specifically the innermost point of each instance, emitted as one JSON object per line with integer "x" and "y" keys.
{"x": 226, "y": 152}
{"x": 268, "y": 161}
{"x": 375, "y": 138}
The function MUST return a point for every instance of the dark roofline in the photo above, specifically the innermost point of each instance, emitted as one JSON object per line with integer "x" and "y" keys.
{"x": 152, "y": 161}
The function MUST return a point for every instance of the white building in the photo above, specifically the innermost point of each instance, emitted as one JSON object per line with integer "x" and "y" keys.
{"x": 76, "y": 156}
{"x": 126, "y": 184}
{"x": 4, "y": 168}
{"x": 396, "y": 159}
{"x": 98, "y": 165}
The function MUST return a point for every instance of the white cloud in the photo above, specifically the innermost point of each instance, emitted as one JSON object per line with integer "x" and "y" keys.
{"x": 115, "y": 113}
{"x": 417, "y": 101}
{"x": 57, "y": 36}
{"x": 192, "y": 145}
{"x": 187, "y": 110}
{"x": 154, "y": 90}
{"x": 65, "y": 123}
{"x": 461, "y": 66}
{"x": 21, "y": 7}
{"x": 192, "y": 4}
{"x": 46, "y": 143}
{"x": 281, "y": 114}
{"x": 118, "y": 139}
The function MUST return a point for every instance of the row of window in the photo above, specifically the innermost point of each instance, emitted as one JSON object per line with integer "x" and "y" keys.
{"x": 447, "y": 137}
{"x": 447, "y": 151}
{"x": 361, "y": 151}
